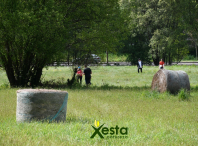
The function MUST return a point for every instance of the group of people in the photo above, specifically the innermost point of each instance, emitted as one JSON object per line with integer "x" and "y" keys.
{"x": 87, "y": 72}
{"x": 140, "y": 65}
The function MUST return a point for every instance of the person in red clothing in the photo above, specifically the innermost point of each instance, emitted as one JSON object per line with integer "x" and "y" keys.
{"x": 161, "y": 64}
{"x": 79, "y": 74}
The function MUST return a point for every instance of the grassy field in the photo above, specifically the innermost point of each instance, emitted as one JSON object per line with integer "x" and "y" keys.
{"x": 194, "y": 60}
{"x": 112, "y": 57}
{"x": 118, "y": 96}
{"x": 125, "y": 76}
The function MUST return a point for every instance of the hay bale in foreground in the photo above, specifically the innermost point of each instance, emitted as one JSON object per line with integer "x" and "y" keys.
{"x": 41, "y": 104}
{"x": 172, "y": 81}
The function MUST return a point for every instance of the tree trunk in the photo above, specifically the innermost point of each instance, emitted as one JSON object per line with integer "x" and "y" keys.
{"x": 10, "y": 74}
{"x": 156, "y": 58}
{"x": 169, "y": 57}
{"x": 107, "y": 58}
{"x": 35, "y": 78}
{"x": 22, "y": 70}
{"x": 196, "y": 50}
{"x": 7, "y": 64}
{"x": 68, "y": 58}
{"x": 156, "y": 61}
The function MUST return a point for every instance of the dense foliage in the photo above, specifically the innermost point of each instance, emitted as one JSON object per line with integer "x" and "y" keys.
{"x": 168, "y": 28}
{"x": 34, "y": 33}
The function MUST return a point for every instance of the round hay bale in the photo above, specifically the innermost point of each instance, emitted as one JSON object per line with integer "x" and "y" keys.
{"x": 41, "y": 104}
{"x": 172, "y": 81}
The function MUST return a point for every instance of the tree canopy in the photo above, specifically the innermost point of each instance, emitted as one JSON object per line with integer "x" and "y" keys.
{"x": 167, "y": 28}
{"x": 33, "y": 33}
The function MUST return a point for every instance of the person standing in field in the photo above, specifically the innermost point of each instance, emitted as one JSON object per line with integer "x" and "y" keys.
{"x": 139, "y": 65}
{"x": 87, "y": 72}
{"x": 161, "y": 64}
{"x": 79, "y": 74}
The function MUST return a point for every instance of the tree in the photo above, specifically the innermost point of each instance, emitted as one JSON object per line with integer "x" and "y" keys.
{"x": 33, "y": 33}
{"x": 27, "y": 29}
{"x": 136, "y": 47}
{"x": 98, "y": 29}
{"x": 190, "y": 20}
{"x": 169, "y": 40}
{"x": 165, "y": 26}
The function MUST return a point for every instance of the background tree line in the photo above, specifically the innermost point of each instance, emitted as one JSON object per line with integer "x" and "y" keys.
{"x": 161, "y": 29}
{"x": 33, "y": 33}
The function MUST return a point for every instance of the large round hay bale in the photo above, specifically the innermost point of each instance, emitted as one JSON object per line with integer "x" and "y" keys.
{"x": 171, "y": 81}
{"x": 41, "y": 104}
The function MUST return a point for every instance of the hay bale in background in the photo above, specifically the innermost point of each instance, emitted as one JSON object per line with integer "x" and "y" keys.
{"x": 172, "y": 81}
{"x": 41, "y": 104}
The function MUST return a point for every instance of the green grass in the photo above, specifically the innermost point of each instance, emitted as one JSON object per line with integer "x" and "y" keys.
{"x": 194, "y": 60}
{"x": 152, "y": 118}
{"x": 189, "y": 58}
{"x": 120, "y": 75}
{"x": 112, "y": 57}
{"x": 116, "y": 58}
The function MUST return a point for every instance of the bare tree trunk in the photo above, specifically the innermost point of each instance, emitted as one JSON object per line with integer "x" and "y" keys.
{"x": 196, "y": 50}
{"x": 68, "y": 58}
{"x": 20, "y": 74}
{"x": 10, "y": 74}
{"x": 156, "y": 59}
{"x": 107, "y": 58}
{"x": 7, "y": 63}
{"x": 35, "y": 78}
{"x": 169, "y": 56}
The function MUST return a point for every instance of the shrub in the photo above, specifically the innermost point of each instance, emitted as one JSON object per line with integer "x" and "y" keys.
{"x": 189, "y": 57}
{"x": 183, "y": 95}
{"x": 4, "y": 86}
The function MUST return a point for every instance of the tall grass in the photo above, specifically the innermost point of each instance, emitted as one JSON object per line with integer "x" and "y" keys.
{"x": 183, "y": 95}
{"x": 155, "y": 119}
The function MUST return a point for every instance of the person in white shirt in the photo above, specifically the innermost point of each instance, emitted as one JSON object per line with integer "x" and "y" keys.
{"x": 139, "y": 65}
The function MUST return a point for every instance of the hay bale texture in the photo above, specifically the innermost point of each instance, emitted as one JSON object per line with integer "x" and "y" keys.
{"x": 171, "y": 81}
{"x": 41, "y": 104}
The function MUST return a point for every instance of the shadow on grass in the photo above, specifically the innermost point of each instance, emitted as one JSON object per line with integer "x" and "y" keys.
{"x": 77, "y": 86}
{"x": 69, "y": 119}
{"x": 78, "y": 120}
{"x": 53, "y": 84}
{"x": 61, "y": 84}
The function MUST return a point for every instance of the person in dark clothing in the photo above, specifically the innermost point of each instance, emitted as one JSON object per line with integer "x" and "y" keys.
{"x": 87, "y": 72}
{"x": 139, "y": 65}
